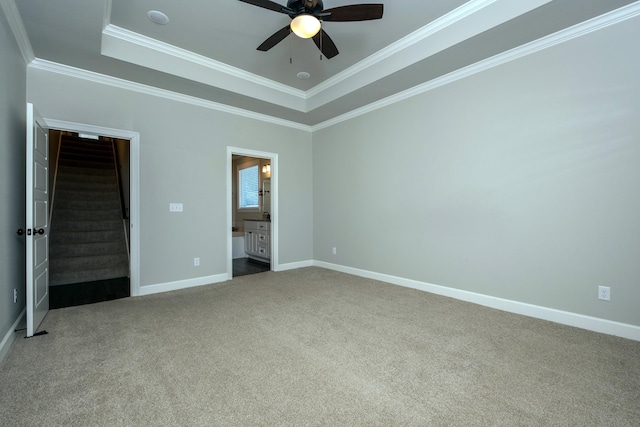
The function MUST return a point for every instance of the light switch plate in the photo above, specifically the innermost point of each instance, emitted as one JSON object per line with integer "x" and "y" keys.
{"x": 175, "y": 207}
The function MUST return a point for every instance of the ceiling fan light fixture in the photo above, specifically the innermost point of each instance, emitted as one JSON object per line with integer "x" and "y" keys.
{"x": 305, "y": 26}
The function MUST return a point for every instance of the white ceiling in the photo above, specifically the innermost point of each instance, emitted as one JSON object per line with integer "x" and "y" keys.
{"x": 208, "y": 49}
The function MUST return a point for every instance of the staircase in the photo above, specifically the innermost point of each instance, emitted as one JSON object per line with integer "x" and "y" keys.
{"x": 88, "y": 241}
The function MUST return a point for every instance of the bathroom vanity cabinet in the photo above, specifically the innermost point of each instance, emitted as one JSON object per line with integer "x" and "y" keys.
{"x": 257, "y": 240}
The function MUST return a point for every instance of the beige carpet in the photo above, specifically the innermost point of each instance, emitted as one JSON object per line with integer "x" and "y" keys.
{"x": 314, "y": 347}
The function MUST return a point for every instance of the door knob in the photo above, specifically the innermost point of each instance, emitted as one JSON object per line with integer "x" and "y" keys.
{"x": 20, "y": 231}
{"x": 40, "y": 231}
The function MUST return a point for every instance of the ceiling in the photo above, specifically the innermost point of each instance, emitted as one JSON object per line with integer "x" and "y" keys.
{"x": 207, "y": 51}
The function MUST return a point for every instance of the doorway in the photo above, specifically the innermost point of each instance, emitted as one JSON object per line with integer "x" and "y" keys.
{"x": 252, "y": 208}
{"x": 89, "y": 216}
{"x": 121, "y": 271}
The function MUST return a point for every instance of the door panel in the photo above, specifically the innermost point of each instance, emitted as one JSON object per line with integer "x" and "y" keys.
{"x": 37, "y": 220}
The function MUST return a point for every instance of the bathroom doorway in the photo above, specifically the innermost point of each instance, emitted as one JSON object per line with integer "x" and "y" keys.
{"x": 252, "y": 212}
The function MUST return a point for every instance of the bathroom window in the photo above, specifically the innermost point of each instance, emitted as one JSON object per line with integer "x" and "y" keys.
{"x": 249, "y": 186}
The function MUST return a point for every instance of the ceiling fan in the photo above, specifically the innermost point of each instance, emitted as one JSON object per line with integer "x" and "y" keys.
{"x": 305, "y": 20}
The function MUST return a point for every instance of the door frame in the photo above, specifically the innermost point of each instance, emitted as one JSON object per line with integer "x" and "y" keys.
{"x": 273, "y": 157}
{"x": 134, "y": 186}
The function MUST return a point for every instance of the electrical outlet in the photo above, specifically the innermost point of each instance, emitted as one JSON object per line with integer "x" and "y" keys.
{"x": 604, "y": 293}
{"x": 196, "y": 262}
{"x": 333, "y": 250}
{"x": 15, "y": 296}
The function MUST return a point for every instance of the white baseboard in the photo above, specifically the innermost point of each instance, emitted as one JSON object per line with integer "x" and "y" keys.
{"x": 182, "y": 284}
{"x": 294, "y": 265}
{"x": 595, "y": 324}
{"x": 10, "y": 336}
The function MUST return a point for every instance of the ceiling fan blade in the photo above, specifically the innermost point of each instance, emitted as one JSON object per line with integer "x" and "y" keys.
{"x": 325, "y": 44}
{"x": 354, "y": 12}
{"x": 268, "y": 4}
{"x": 276, "y": 38}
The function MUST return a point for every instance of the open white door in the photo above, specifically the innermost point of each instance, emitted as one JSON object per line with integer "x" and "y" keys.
{"x": 37, "y": 220}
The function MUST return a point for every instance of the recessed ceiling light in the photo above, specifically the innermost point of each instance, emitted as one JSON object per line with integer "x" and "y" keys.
{"x": 158, "y": 17}
{"x": 303, "y": 75}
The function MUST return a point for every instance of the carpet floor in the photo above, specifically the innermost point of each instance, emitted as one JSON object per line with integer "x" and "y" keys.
{"x": 314, "y": 347}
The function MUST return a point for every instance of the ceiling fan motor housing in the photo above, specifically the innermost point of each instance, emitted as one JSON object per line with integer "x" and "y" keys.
{"x": 305, "y": 6}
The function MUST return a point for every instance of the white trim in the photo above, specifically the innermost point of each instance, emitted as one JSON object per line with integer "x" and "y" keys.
{"x": 14, "y": 20}
{"x": 273, "y": 157}
{"x": 420, "y": 34}
{"x": 295, "y": 265}
{"x": 10, "y": 336}
{"x": 181, "y": 284}
{"x": 42, "y": 64}
{"x": 584, "y": 28}
{"x": 595, "y": 324}
{"x": 134, "y": 190}
{"x": 150, "y": 43}
{"x": 136, "y": 48}
{"x": 578, "y": 30}
{"x": 106, "y": 18}
{"x": 473, "y": 17}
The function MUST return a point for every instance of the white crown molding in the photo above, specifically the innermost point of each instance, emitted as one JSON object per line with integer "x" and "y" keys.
{"x": 595, "y": 24}
{"x": 41, "y": 64}
{"x": 402, "y": 44}
{"x": 465, "y": 21}
{"x": 125, "y": 45}
{"x": 186, "y": 55}
{"x": 577, "y": 320}
{"x": 453, "y": 28}
{"x": 14, "y": 20}
{"x": 578, "y": 30}
{"x": 106, "y": 18}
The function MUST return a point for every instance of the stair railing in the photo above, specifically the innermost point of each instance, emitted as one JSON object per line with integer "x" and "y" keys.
{"x": 116, "y": 159}
{"x": 55, "y": 177}
{"x": 123, "y": 205}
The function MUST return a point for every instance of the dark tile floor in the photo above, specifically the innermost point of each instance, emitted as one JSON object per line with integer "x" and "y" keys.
{"x": 245, "y": 266}
{"x": 88, "y": 292}
{"x": 106, "y": 290}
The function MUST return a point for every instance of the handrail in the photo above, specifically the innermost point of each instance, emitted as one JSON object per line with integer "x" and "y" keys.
{"x": 123, "y": 206}
{"x": 55, "y": 177}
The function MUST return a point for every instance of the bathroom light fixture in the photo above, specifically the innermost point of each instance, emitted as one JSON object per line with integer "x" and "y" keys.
{"x": 305, "y": 26}
{"x": 266, "y": 168}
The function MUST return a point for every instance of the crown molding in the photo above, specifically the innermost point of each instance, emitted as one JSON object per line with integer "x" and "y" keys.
{"x": 611, "y": 18}
{"x": 106, "y": 17}
{"x": 14, "y": 20}
{"x": 465, "y": 21}
{"x": 579, "y": 30}
{"x": 428, "y": 30}
{"x": 117, "y": 41}
{"x": 41, "y": 64}
{"x": 461, "y": 24}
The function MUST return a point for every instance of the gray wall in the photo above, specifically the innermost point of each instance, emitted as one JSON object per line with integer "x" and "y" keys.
{"x": 183, "y": 159}
{"x": 12, "y": 177}
{"x": 520, "y": 182}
